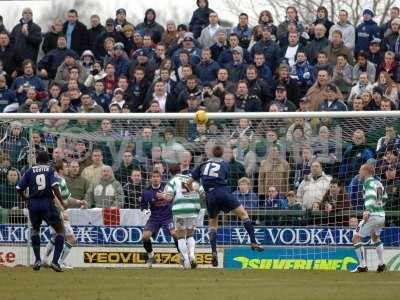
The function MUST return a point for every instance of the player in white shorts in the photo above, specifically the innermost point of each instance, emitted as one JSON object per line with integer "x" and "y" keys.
{"x": 373, "y": 218}
{"x": 185, "y": 210}
{"x": 70, "y": 239}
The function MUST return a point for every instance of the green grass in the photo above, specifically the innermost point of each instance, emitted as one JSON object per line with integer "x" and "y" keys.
{"x": 175, "y": 284}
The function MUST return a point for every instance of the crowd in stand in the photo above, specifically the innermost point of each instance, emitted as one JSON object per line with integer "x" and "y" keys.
{"x": 130, "y": 66}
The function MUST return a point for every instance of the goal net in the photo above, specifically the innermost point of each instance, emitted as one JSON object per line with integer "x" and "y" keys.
{"x": 296, "y": 174}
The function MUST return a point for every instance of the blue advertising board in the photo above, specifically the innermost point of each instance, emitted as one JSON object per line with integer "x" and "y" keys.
{"x": 267, "y": 236}
{"x": 295, "y": 258}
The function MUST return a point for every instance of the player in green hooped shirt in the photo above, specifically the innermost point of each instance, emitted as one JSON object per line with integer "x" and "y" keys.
{"x": 186, "y": 207}
{"x": 373, "y": 218}
{"x": 68, "y": 201}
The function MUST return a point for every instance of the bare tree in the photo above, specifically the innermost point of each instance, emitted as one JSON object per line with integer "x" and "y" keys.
{"x": 307, "y": 8}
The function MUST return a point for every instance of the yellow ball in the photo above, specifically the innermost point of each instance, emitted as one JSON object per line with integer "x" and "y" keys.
{"x": 201, "y": 117}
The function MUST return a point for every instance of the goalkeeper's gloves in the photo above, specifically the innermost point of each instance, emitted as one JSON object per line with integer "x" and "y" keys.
{"x": 146, "y": 212}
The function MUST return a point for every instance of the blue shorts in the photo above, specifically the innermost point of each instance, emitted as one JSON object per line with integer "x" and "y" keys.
{"x": 220, "y": 199}
{"x": 154, "y": 225}
{"x": 43, "y": 210}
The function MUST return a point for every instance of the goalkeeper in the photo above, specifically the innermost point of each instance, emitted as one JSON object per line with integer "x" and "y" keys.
{"x": 373, "y": 218}
{"x": 70, "y": 240}
{"x": 185, "y": 211}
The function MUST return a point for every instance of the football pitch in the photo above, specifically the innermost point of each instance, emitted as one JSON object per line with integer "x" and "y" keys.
{"x": 175, "y": 284}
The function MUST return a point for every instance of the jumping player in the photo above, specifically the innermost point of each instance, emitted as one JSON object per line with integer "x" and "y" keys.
{"x": 155, "y": 203}
{"x": 70, "y": 239}
{"x": 213, "y": 175}
{"x": 42, "y": 183}
{"x": 185, "y": 210}
{"x": 373, "y": 218}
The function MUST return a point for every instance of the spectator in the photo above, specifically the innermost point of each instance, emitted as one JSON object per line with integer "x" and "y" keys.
{"x": 208, "y": 35}
{"x": 346, "y": 28}
{"x": 336, "y": 48}
{"x": 108, "y": 35}
{"x": 291, "y": 18}
{"x": 366, "y": 31}
{"x": 293, "y": 204}
{"x": 245, "y": 196}
{"x": 243, "y": 31}
{"x": 302, "y": 168}
{"x": 322, "y": 18}
{"x": 76, "y": 33}
{"x": 94, "y": 32}
{"x": 150, "y": 26}
{"x": 105, "y": 192}
{"x": 14, "y": 144}
{"x": 363, "y": 65}
{"x": 10, "y": 198}
{"x": 356, "y": 154}
{"x": 10, "y": 57}
{"x": 335, "y": 199}
{"x": 319, "y": 43}
{"x": 7, "y": 96}
{"x": 303, "y": 73}
{"x": 289, "y": 52}
{"x": 269, "y": 47}
{"x": 200, "y": 18}
{"x": 332, "y": 102}
{"x": 284, "y": 79}
{"x": 70, "y": 68}
{"x": 274, "y": 171}
{"x": 171, "y": 34}
{"x": 246, "y": 156}
{"x": 313, "y": 188}
{"x": 265, "y": 19}
{"x": 390, "y": 137}
{"x": 263, "y": 70}
{"x": 171, "y": 150}
{"x": 128, "y": 164}
{"x": 343, "y": 75}
{"x": 209, "y": 101}
{"x": 376, "y": 53}
{"x": 77, "y": 185}
{"x": 207, "y": 69}
{"x": 362, "y": 85}
{"x": 275, "y": 200}
{"x": 281, "y": 100}
{"x": 390, "y": 66}
{"x": 133, "y": 190}
{"x": 220, "y": 45}
{"x": 92, "y": 173}
{"x": 50, "y": 63}
{"x": 236, "y": 169}
{"x": 388, "y": 87}
{"x": 51, "y": 37}
{"x": 317, "y": 92}
{"x": 27, "y": 36}
{"x": 246, "y": 102}
{"x": 392, "y": 188}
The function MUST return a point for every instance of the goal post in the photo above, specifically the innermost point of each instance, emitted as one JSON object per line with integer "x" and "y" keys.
{"x": 295, "y": 173}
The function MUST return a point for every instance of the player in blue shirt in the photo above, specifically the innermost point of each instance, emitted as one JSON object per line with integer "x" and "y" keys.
{"x": 43, "y": 187}
{"x": 213, "y": 176}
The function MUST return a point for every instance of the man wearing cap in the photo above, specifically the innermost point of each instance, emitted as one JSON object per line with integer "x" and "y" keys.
{"x": 209, "y": 34}
{"x": 95, "y": 31}
{"x": 267, "y": 46}
{"x": 375, "y": 53}
{"x": 332, "y": 102}
{"x": 109, "y": 32}
{"x": 76, "y": 33}
{"x": 237, "y": 68}
{"x": 281, "y": 100}
{"x": 366, "y": 31}
{"x": 347, "y": 29}
{"x": 188, "y": 44}
{"x": 120, "y": 19}
{"x": 120, "y": 60}
{"x": 27, "y": 36}
{"x": 140, "y": 59}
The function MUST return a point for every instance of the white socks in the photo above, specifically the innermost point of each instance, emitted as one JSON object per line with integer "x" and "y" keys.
{"x": 191, "y": 244}
{"x": 184, "y": 252}
{"x": 360, "y": 254}
{"x": 379, "y": 253}
{"x": 49, "y": 247}
{"x": 65, "y": 252}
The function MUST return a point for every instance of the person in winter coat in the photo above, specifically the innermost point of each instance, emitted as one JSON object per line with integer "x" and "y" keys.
{"x": 363, "y": 65}
{"x": 107, "y": 192}
{"x": 244, "y": 194}
{"x": 243, "y": 31}
{"x": 76, "y": 33}
{"x": 133, "y": 190}
{"x": 303, "y": 73}
{"x": 10, "y": 57}
{"x": 314, "y": 186}
{"x": 366, "y": 31}
{"x": 94, "y": 32}
{"x": 356, "y": 154}
{"x": 27, "y": 36}
{"x": 343, "y": 75}
{"x": 265, "y": 19}
{"x": 269, "y": 47}
{"x": 7, "y": 96}
{"x": 15, "y": 145}
{"x": 275, "y": 199}
{"x": 291, "y": 17}
{"x": 322, "y": 18}
{"x": 336, "y": 48}
{"x": 208, "y": 36}
{"x": 150, "y": 26}
{"x": 347, "y": 29}
{"x": 200, "y": 18}
{"x": 51, "y": 37}
{"x": 362, "y": 85}
{"x": 332, "y": 103}
{"x": 319, "y": 43}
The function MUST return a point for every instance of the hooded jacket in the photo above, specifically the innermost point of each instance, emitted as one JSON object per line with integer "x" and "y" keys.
{"x": 199, "y": 19}
{"x": 153, "y": 28}
{"x": 365, "y": 32}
